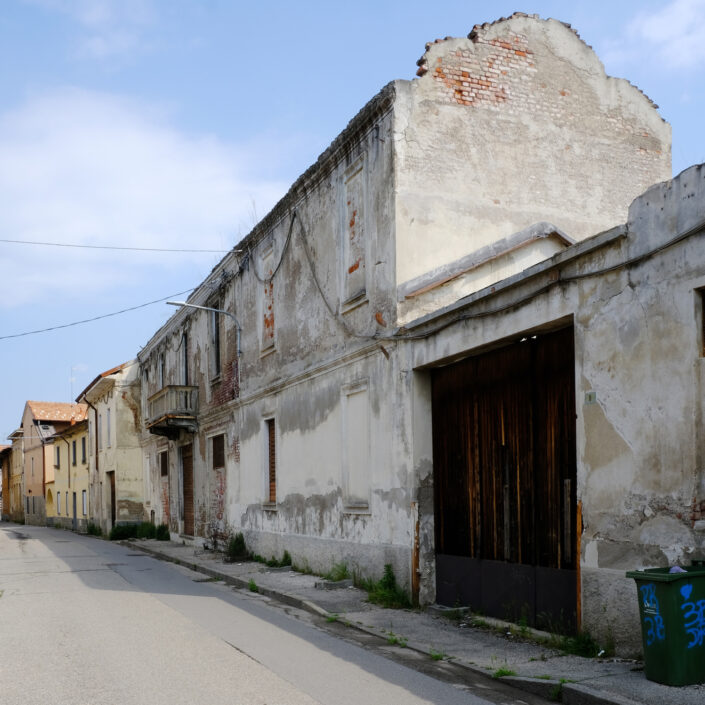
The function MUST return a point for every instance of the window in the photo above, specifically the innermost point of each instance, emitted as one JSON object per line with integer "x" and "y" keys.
{"x": 354, "y": 238}
{"x": 33, "y": 510}
{"x": 107, "y": 440}
{"x": 214, "y": 333}
{"x": 67, "y": 503}
{"x": 218, "y": 451}
{"x": 356, "y": 446}
{"x": 700, "y": 313}
{"x": 266, "y": 301}
{"x": 73, "y": 452}
{"x": 84, "y": 499}
{"x": 272, "y": 461}
{"x": 184, "y": 359}
{"x": 27, "y": 498}
{"x": 162, "y": 366}
{"x": 100, "y": 431}
{"x": 58, "y": 502}
{"x": 57, "y": 455}
{"x": 32, "y": 463}
{"x": 83, "y": 449}
{"x": 163, "y": 458}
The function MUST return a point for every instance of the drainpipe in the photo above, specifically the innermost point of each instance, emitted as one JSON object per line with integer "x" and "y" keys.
{"x": 95, "y": 419}
{"x": 69, "y": 456}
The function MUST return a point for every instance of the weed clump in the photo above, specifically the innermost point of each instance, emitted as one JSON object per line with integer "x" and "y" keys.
{"x": 120, "y": 532}
{"x": 582, "y": 644}
{"x": 235, "y": 547}
{"x": 146, "y": 530}
{"x": 162, "y": 533}
{"x": 503, "y": 672}
{"x": 339, "y": 571}
{"x": 93, "y": 529}
{"x": 386, "y": 592}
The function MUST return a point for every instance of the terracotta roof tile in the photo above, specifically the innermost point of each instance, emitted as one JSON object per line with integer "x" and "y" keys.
{"x": 58, "y": 411}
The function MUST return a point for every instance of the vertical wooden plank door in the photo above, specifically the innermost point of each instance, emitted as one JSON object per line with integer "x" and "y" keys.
{"x": 504, "y": 482}
{"x": 187, "y": 475}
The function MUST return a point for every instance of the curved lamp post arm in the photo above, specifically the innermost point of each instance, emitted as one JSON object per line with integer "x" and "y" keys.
{"x": 214, "y": 310}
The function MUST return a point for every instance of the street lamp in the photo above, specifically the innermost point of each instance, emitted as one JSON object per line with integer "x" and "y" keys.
{"x": 225, "y": 313}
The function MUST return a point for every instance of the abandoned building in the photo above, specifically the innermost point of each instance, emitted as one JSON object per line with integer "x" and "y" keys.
{"x": 455, "y": 347}
{"x": 115, "y": 481}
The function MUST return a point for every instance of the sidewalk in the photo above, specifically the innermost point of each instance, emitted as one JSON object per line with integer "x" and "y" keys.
{"x": 492, "y": 650}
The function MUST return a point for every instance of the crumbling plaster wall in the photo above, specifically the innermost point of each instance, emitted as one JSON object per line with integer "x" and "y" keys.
{"x": 121, "y": 453}
{"x": 318, "y": 356}
{"x": 323, "y": 345}
{"x": 515, "y": 125}
{"x": 639, "y": 385}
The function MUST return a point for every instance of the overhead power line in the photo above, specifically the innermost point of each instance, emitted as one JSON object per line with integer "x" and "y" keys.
{"x": 95, "y": 318}
{"x": 107, "y": 247}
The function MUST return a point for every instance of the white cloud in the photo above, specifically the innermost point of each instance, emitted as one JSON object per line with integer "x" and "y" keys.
{"x": 676, "y": 32}
{"x": 92, "y": 168}
{"x": 110, "y": 28}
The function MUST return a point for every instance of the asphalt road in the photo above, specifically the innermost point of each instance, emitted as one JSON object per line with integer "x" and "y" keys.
{"x": 84, "y": 621}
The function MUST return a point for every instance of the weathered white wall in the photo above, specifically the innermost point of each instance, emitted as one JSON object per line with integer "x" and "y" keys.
{"x": 121, "y": 453}
{"x": 518, "y": 125}
{"x": 412, "y": 185}
{"x": 639, "y": 352}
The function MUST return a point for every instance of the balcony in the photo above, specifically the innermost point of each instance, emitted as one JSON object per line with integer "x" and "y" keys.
{"x": 171, "y": 410}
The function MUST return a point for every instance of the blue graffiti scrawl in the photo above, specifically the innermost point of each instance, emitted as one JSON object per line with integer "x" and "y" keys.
{"x": 694, "y": 617}
{"x": 653, "y": 620}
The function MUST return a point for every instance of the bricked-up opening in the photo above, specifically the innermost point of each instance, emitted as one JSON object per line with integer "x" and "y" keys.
{"x": 214, "y": 334}
{"x": 700, "y": 317}
{"x": 164, "y": 463}
{"x": 218, "y": 451}
{"x": 271, "y": 445}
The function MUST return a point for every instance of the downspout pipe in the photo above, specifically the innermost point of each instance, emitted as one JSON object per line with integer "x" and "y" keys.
{"x": 95, "y": 419}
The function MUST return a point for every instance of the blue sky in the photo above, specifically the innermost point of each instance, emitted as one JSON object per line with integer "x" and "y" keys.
{"x": 178, "y": 124}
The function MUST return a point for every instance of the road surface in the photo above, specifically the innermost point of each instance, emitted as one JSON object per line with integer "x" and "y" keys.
{"x": 86, "y": 621}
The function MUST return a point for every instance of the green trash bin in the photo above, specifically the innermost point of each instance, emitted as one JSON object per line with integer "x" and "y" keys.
{"x": 672, "y": 612}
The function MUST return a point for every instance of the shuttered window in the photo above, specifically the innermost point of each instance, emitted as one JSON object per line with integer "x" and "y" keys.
{"x": 271, "y": 445}
{"x": 218, "y": 451}
{"x": 164, "y": 463}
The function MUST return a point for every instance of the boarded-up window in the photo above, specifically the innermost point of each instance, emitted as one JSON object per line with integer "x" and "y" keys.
{"x": 214, "y": 334}
{"x": 356, "y": 446}
{"x": 267, "y": 301}
{"x": 184, "y": 359}
{"x": 271, "y": 462}
{"x": 163, "y": 463}
{"x": 218, "y": 451}
{"x": 354, "y": 270}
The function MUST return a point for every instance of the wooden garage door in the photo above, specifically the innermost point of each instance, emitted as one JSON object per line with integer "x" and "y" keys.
{"x": 504, "y": 478}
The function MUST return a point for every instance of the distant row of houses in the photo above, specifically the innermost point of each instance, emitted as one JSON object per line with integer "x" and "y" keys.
{"x": 62, "y": 465}
{"x": 467, "y": 343}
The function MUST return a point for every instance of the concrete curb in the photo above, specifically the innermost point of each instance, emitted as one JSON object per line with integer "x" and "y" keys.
{"x": 554, "y": 690}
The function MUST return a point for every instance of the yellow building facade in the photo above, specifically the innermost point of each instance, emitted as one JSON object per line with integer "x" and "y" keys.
{"x": 66, "y": 494}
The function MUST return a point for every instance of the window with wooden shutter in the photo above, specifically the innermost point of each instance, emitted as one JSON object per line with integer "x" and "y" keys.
{"x": 218, "y": 451}
{"x": 164, "y": 463}
{"x": 271, "y": 445}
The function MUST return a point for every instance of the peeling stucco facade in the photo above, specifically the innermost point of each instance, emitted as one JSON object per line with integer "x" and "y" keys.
{"x": 315, "y": 435}
{"x": 633, "y": 295}
{"x": 114, "y": 457}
